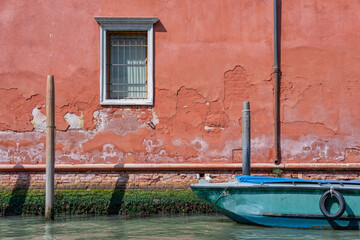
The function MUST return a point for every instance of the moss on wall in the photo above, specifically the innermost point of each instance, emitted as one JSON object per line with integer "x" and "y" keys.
{"x": 102, "y": 201}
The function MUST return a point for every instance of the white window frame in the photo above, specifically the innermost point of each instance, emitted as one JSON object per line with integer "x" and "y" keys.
{"x": 126, "y": 24}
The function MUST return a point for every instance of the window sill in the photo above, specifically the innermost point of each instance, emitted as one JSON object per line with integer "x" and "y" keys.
{"x": 127, "y": 102}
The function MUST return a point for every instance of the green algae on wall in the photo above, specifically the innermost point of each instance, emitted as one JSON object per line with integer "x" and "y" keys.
{"x": 103, "y": 201}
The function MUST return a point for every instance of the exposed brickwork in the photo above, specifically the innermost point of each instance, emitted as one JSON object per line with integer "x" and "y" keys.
{"x": 345, "y": 176}
{"x": 103, "y": 180}
{"x": 145, "y": 180}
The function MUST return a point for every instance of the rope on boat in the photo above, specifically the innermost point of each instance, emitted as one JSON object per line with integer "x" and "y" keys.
{"x": 224, "y": 193}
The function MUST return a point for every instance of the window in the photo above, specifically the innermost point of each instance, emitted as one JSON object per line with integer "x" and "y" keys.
{"x": 126, "y": 73}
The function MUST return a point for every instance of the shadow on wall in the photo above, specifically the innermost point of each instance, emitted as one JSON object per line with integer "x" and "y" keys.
{"x": 118, "y": 193}
{"x": 18, "y": 195}
{"x": 158, "y": 28}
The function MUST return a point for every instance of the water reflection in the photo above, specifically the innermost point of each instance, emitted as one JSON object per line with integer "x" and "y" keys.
{"x": 179, "y": 227}
{"x": 49, "y": 232}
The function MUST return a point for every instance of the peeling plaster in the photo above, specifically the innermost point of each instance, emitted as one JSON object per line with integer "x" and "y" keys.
{"x": 312, "y": 148}
{"x": 39, "y": 120}
{"x": 108, "y": 155}
{"x": 155, "y": 118}
{"x": 126, "y": 124}
{"x": 151, "y": 144}
{"x": 31, "y": 154}
{"x": 298, "y": 128}
{"x": 193, "y": 115}
{"x": 75, "y": 122}
{"x": 96, "y": 116}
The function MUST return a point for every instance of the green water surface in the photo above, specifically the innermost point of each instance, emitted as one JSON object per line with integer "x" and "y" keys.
{"x": 155, "y": 227}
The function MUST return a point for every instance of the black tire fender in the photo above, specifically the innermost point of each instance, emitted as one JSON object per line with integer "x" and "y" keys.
{"x": 339, "y": 197}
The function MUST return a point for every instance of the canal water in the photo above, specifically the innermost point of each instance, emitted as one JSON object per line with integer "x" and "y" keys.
{"x": 156, "y": 227}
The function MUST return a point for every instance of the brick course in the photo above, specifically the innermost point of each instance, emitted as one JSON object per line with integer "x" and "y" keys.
{"x": 144, "y": 180}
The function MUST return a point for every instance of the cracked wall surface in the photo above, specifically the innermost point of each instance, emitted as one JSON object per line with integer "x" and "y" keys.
{"x": 209, "y": 57}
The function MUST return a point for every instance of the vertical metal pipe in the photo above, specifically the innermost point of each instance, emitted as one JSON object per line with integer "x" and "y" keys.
{"x": 276, "y": 58}
{"x": 50, "y": 148}
{"x": 277, "y": 122}
{"x": 276, "y": 88}
{"x": 246, "y": 138}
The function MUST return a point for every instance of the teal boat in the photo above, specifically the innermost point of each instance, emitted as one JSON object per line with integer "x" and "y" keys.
{"x": 284, "y": 202}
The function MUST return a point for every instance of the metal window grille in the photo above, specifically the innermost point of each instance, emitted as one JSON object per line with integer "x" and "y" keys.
{"x": 126, "y": 65}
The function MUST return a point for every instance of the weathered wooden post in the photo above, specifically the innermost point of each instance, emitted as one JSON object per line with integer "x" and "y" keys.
{"x": 246, "y": 138}
{"x": 50, "y": 148}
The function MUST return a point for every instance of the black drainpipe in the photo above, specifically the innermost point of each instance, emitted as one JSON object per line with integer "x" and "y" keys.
{"x": 277, "y": 74}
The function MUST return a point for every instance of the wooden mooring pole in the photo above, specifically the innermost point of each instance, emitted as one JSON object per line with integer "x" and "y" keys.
{"x": 246, "y": 139}
{"x": 50, "y": 148}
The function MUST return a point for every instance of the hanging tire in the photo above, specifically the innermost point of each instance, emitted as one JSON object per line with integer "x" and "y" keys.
{"x": 338, "y": 197}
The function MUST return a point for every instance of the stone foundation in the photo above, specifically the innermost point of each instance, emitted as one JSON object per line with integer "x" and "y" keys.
{"x": 147, "y": 180}
{"x": 125, "y": 193}
{"x": 108, "y": 180}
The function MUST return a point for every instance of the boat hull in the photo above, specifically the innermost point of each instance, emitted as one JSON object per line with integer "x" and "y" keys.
{"x": 282, "y": 205}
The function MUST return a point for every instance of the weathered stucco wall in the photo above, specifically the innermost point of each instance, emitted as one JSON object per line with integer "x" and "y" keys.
{"x": 209, "y": 57}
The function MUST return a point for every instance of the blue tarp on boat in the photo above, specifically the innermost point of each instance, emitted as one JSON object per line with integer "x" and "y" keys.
{"x": 262, "y": 179}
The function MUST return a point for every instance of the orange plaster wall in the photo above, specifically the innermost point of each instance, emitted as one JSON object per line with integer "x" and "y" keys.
{"x": 209, "y": 57}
